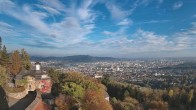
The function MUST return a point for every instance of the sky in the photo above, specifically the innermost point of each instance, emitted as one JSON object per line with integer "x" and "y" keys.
{"x": 114, "y": 28}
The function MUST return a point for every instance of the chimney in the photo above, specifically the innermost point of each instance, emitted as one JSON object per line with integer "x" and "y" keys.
{"x": 37, "y": 66}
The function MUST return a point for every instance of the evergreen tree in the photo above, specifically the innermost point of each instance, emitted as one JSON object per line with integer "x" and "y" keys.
{"x": 126, "y": 94}
{"x": 26, "y": 64}
{"x": 3, "y": 76}
{"x": 4, "y": 57}
{"x": 54, "y": 75}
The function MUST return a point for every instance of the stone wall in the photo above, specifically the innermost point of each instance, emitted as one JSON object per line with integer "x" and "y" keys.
{"x": 18, "y": 95}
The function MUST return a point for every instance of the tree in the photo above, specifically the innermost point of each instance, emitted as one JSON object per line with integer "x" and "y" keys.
{"x": 190, "y": 95}
{"x": 60, "y": 102}
{"x": 55, "y": 89}
{"x": 156, "y": 105}
{"x": 171, "y": 93}
{"x": 94, "y": 100}
{"x": 114, "y": 100}
{"x": 26, "y": 64}
{"x": 3, "y": 76}
{"x": 16, "y": 65}
{"x": 126, "y": 94}
{"x": 54, "y": 75}
{"x": 73, "y": 90}
{"x": 4, "y": 57}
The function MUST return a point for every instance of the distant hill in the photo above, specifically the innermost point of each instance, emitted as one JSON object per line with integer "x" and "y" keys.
{"x": 75, "y": 58}
{"x": 187, "y": 65}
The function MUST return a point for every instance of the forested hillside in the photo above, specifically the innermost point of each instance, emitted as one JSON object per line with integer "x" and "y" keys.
{"x": 132, "y": 97}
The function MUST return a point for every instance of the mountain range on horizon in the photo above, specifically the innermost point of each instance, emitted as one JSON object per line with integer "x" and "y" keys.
{"x": 89, "y": 58}
{"x": 74, "y": 58}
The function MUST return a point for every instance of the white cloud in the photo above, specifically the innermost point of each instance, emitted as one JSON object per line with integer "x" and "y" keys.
{"x": 4, "y": 24}
{"x": 48, "y": 9}
{"x": 141, "y": 43}
{"x": 108, "y": 33}
{"x": 68, "y": 31}
{"x": 6, "y": 4}
{"x": 154, "y": 21}
{"x": 26, "y": 15}
{"x": 8, "y": 30}
{"x": 186, "y": 39}
{"x": 146, "y": 41}
{"x": 54, "y": 4}
{"x": 116, "y": 12}
{"x": 70, "y": 28}
{"x": 177, "y": 5}
{"x": 85, "y": 12}
{"x": 125, "y": 22}
{"x": 119, "y": 33}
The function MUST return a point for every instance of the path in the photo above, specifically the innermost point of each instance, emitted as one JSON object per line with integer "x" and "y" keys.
{"x": 23, "y": 103}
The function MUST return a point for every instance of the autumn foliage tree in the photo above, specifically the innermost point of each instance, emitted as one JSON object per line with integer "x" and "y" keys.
{"x": 16, "y": 63}
{"x": 60, "y": 102}
{"x": 94, "y": 100}
{"x": 85, "y": 92}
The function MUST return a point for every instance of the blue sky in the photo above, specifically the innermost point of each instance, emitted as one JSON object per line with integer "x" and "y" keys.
{"x": 117, "y": 28}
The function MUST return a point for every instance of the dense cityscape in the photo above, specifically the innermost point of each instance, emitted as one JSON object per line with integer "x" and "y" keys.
{"x": 156, "y": 73}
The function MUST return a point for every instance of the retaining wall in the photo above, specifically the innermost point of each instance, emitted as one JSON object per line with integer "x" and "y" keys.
{"x": 18, "y": 95}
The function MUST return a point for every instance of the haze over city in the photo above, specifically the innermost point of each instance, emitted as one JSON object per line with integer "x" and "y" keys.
{"x": 132, "y": 28}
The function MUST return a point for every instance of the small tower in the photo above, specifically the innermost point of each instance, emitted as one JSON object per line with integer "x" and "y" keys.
{"x": 37, "y": 66}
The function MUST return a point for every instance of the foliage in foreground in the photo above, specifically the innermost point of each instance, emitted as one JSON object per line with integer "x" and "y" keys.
{"x": 176, "y": 98}
{"x": 79, "y": 91}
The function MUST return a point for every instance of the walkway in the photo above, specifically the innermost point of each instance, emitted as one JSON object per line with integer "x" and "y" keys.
{"x": 23, "y": 103}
